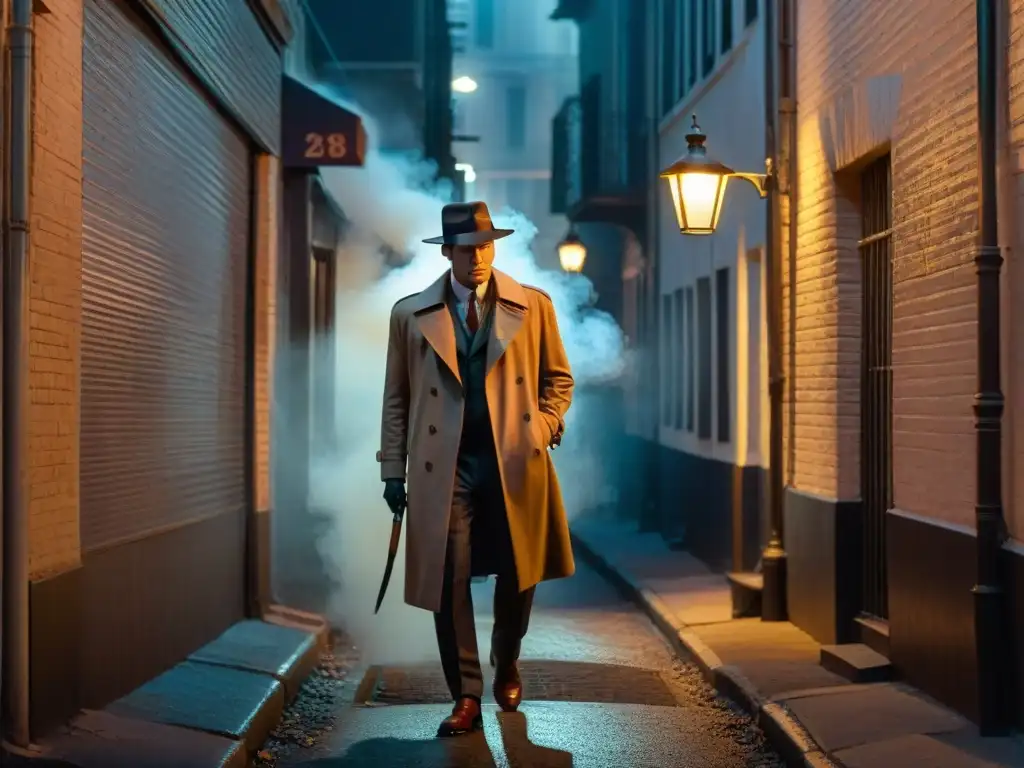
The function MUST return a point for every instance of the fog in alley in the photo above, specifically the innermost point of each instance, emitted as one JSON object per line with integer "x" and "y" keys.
{"x": 391, "y": 204}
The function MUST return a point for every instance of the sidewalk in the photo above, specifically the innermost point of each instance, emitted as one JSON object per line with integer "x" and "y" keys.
{"x": 811, "y": 716}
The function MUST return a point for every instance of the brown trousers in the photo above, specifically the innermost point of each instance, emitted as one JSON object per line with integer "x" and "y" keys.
{"x": 479, "y": 544}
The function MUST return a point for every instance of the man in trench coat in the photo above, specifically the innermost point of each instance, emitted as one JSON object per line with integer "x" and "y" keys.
{"x": 476, "y": 390}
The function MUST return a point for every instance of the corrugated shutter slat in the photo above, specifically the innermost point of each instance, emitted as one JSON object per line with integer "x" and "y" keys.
{"x": 165, "y": 252}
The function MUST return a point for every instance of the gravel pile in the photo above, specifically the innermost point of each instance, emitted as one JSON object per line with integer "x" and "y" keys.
{"x": 312, "y": 713}
{"x": 724, "y": 715}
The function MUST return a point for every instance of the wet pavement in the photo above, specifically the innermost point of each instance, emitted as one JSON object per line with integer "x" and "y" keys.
{"x": 602, "y": 689}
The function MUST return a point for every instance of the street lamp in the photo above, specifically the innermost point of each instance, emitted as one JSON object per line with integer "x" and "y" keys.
{"x": 468, "y": 171}
{"x": 572, "y": 252}
{"x": 464, "y": 84}
{"x": 697, "y": 183}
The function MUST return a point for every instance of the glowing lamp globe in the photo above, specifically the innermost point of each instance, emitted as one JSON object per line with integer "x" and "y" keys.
{"x": 697, "y": 185}
{"x": 464, "y": 84}
{"x": 572, "y": 253}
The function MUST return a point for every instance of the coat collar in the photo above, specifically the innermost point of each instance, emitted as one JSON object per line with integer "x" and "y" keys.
{"x": 510, "y": 308}
{"x": 506, "y": 290}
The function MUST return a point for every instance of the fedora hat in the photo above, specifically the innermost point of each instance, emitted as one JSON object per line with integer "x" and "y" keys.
{"x": 467, "y": 224}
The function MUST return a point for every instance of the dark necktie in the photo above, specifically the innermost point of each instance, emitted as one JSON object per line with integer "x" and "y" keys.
{"x": 472, "y": 320}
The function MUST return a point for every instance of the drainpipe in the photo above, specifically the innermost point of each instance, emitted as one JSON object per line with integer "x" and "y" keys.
{"x": 773, "y": 557}
{"x": 989, "y": 596}
{"x": 18, "y": 149}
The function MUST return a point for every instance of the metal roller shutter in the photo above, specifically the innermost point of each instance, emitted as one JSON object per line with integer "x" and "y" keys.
{"x": 165, "y": 257}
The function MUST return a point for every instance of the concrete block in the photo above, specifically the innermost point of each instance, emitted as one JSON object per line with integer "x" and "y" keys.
{"x": 235, "y": 703}
{"x": 103, "y": 740}
{"x": 857, "y": 662}
{"x": 286, "y": 653}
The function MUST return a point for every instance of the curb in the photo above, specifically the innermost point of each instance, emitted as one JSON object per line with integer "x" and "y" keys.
{"x": 781, "y": 728}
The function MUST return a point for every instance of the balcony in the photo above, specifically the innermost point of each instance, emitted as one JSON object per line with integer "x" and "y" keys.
{"x": 599, "y": 163}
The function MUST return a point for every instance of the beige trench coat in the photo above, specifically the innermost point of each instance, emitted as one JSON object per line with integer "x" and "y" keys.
{"x": 529, "y": 388}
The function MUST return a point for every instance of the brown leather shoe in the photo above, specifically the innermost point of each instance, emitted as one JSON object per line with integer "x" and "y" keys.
{"x": 508, "y": 687}
{"x": 465, "y": 718}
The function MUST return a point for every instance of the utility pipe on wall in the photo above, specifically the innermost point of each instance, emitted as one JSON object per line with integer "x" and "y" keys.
{"x": 773, "y": 558}
{"x": 18, "y": 153}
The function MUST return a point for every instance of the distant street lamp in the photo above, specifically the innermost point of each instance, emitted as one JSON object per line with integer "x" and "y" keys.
{"x": 572, "y": 252}
{"x": 697, "y": 183}
{"x": 464, "y": 84}
{"x": 468, "y": 171}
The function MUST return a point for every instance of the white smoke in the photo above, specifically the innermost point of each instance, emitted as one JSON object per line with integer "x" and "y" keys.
{"x": 391, "y": 205}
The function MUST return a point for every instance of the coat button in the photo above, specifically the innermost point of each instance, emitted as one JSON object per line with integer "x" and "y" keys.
{"x": 433, "y": 391}
{"x": 429, "y": 467}
{"x": 519, "y": 379}
{"x": 526, "y": 417}
{"x": 536, "y": 451}
{"x": 432, "y": 429}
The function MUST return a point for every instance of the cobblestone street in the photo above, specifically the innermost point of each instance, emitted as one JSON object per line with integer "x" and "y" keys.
{"x": 602, "y": 689}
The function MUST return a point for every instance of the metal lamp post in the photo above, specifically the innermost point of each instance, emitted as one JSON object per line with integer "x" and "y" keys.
{"x": 572, "y": 253}
{"x": 697, "y": 183}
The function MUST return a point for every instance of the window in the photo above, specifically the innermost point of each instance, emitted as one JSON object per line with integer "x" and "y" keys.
{"x": 691, "y": 48}
{"x": 515, "y": 116}
{"x": 722, "y": 353}
{"x": 690, "y": 351}
{"x": 708, "y": 37}
{"x": 726, "y": 25}
{"x": 483, "y": 23}
{"x": 750, "y": 12}
{"x": 704, "y": 358}
{"x": 668, "y": 55}
{"x": 677, "y": 373}
{"x": 666, "y": 357}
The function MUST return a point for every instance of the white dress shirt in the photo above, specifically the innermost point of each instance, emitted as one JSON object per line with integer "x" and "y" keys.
{"x": 463, "y": 296}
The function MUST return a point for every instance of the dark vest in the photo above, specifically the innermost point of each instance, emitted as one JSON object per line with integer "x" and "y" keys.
{"x": 472, "y": 356}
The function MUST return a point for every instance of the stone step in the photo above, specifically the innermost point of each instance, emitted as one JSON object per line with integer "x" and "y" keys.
{"x": 857, "y": 662}
{"x": 746, "y": 593}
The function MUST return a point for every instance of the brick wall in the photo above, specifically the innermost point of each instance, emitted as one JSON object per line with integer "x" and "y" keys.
{"x": 873, "y": 72}
{"x": 55, "y": 306}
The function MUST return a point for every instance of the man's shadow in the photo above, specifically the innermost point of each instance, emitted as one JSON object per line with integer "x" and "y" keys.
{"x": 470, "y": 751}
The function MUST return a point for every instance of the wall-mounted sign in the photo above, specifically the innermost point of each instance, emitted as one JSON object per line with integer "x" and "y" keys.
{"x": 317, "y": 131}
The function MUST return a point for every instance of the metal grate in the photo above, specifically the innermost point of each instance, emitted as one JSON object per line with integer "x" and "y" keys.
{"x": 876, "y": 378}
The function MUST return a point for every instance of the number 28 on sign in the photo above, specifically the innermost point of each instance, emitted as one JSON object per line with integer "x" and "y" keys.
{"x": 332, "y": 145}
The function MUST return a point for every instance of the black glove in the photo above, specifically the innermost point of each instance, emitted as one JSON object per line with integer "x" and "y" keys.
{"x": 394, "y": 495}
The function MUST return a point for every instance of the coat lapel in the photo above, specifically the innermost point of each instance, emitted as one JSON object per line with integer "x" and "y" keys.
{"x": 508, "y": 316}
{"x": 436, "y": 323}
